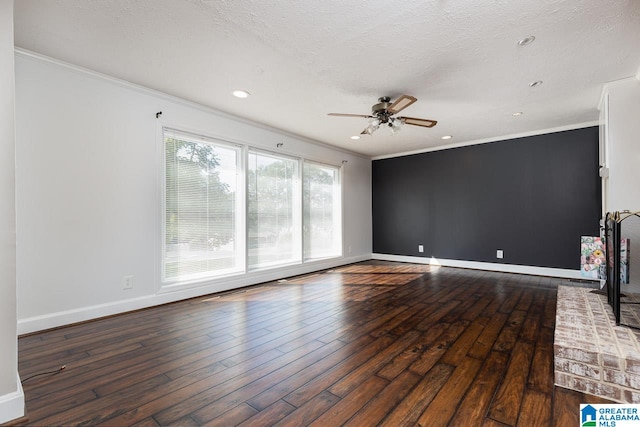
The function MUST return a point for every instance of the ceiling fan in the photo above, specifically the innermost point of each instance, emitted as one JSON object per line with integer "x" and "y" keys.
{"x": 382, "y": 114}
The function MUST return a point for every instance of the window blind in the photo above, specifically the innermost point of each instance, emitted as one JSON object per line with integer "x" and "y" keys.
{"x": 273, "y": 210}
{"x": 322, "y": 211}
{"x": 201, "y": 216}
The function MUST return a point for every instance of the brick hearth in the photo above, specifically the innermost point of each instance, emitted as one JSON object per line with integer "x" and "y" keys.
{"x": 591, "y": 354}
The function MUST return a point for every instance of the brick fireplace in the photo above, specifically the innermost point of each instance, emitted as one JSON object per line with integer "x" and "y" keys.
{"x": 591, "y": 354}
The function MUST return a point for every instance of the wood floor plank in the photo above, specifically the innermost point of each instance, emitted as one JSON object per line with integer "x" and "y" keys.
{"x": 535, "y": 409}
{"x": 194, "y": 386}
{"x": 400, "y": 362}
{"x": 541, "y": 373}
{"x": 122, "y": 365}
{"x": 506, "y": 404}
{"x": 114, "y": 335}
{"x": 270, "y": 415}
{"x": 306, "y": 392}
{"x": 430, "y": 356}
{"x": 43, "y": 410}
{"x": 442, "y": 407}
{"x": 509, "y": 334}
{"x": 387, "y": 399}
{"x": 482, "y": 346}
{"x": 530, "y": 325}
{"x": 510, "y": 302}
{"x": 105, "y": 408}
{"x": 296, "y": 380}
{"x": 412, "y": 406}
{"x": 488, "y": 422}
{"x": 475, "y": 405}
{"x": 463, "y": 306}
{"x": 566, "y": 408}
{"x": 436, "y": 315}
{"x": 221, "y": 396}
{"x": 525, "y": 302}
{"x": 372, "y": 343}
{"x": 232, "y": 417}
{"x": 352, "y": 333}
{"x": 346, "y": 328}
{"x": 351, "y": 403}
{"x": 411, "y": 322}
{"x": 478, "y": 308}
{"x": 149, "y": 422}
{"x": 311, "y": 410}
{"x": 400, "y": 321}
{"x": 186, "y": 421}
{"x": 498, "y": 298}
{"x": 459, "y": 349}
{"x": 250, "y": 390}
{"x": 363, "y": 372}
{"x": 549, "y": 319}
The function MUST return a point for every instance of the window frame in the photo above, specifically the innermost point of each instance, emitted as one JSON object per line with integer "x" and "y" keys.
{"x": 297, "y": 192}
{"x": 239, "y": 205}
{"x": 340, "y": 209}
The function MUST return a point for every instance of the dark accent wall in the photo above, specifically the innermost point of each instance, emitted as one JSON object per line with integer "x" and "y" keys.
{"x": 531, "y": 197}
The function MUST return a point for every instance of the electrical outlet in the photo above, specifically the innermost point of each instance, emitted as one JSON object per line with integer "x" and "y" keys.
{"x": 349, "y": 249}
{"x": 420, "y": 248}
{"x": 127, "y": 282}
{"x": 500, "y": 254}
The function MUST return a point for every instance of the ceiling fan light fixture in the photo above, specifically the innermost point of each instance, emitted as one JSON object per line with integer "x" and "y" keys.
{"x": 396, "y": 124}
{"x": 374, "y": 124}
{"x": 382, "y": 114}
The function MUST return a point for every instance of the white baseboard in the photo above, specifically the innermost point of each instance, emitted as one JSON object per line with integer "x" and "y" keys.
{"x": 175, "y": 293}
{"x": 12, "y": 404}
{"x": 490, "y": 266}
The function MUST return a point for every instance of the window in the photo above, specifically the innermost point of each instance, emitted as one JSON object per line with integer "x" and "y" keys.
{"x": 230, "y": 209}
{"x": 273, "y": 210}
{"x": 202, "y": 215}
{"x": 322, "y": 211}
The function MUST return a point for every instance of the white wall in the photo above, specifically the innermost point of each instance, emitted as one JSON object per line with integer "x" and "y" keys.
{"x": 621, "y": 133}
{"x": 88, "y": 192}
{"x": 11, "y": 397}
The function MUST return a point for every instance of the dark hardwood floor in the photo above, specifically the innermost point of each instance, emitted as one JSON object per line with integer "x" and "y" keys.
{"x": 374, "y": 343}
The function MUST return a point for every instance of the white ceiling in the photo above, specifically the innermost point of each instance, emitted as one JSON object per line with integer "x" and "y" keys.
{"x": 301, "y": 59}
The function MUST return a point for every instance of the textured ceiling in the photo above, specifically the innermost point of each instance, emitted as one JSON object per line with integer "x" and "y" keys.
{"x": 301, "y": 59}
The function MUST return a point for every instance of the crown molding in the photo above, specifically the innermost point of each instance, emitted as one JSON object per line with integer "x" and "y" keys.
{"x": 488, "y": 140}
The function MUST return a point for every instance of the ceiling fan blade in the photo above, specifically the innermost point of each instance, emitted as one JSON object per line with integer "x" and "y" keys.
{"x": 366, "y": 116}
{"x": 401, "y": 103}
{"x": 418, "y": 122}
{"x": 366, "y": 131}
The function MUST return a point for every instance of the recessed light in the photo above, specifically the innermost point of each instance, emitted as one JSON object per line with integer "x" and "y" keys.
{"x": 355, "y": 137}
{"x": 241, "y": 94}
{"x": 446, "y": 137}
{"x": 517, "y": 113}
{"x": 535, "y": 84}
{"x": 526, "y": 41}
